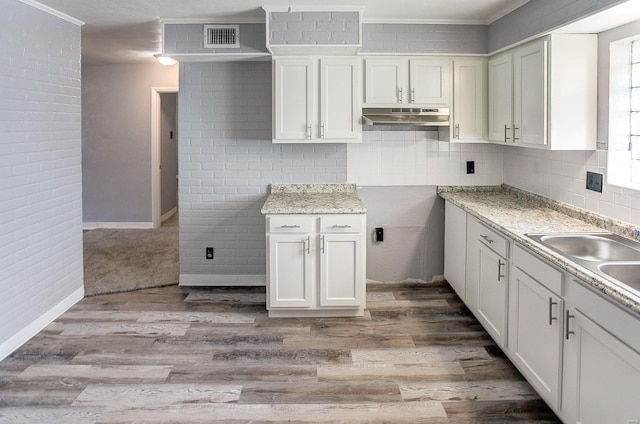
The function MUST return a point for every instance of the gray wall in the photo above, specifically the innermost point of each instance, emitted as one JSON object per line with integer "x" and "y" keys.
{"x": 413, "y": 223}
{"x": 227, "y": 161}
{"x": 540, "y": 16}
{"x": 189, "y": 38}
{"x": 424, "y": 39}
{"x": 314, "y": 28}
{"x": 168, "y": 151}
{"x": 40, "y": 171}
{"x": 116, "y": 139}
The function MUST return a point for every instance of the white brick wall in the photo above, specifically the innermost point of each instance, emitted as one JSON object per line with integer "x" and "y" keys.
{"x": 189, "y": 38}
{"x": 562, "y": 176}
{"x": 40, "y": 167}
{"x": 417, "y": 158}
{"x": 227, "y": 161}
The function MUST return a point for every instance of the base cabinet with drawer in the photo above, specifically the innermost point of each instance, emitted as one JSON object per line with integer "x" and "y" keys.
{"x": 536, "y": 317}
{"x": 578, "y": 349}
{"x": 316, "y": 265}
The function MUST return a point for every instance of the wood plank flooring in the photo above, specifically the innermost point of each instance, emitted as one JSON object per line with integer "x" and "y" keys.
{"x": 211, "y": 355}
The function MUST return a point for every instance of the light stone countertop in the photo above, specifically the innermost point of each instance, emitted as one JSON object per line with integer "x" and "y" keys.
{"x": 515, "y": 212}
{"x": 313, "y": 199}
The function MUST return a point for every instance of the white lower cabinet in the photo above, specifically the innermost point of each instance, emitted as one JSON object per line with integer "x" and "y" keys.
{"x": 492, "y": 293}
{"x": 601, "y": 375}
{"x": 455, "y": 247}
{"x": 316, "y": 265}
{"x": 578, "y": 350}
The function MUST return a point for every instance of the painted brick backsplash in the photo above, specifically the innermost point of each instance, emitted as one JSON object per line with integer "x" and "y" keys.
{"x": 40, "y": 166}
{"x": 387, "y": 158}
{"x": 314, "y": 28}
{"x": 562, "y": 176}
{"x": 227, "y": 161}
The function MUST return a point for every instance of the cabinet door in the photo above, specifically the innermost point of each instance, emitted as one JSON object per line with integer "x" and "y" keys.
{"x": 342, "y": 279}
{"x": 530, "y": 94}
{"x": 339, "y": 107}
{"x": 535, "y": 334}
{"x": 291, "y": 270}
{"x": 294, "y": 99}
{"x": 501, "y": 99}
{"x": 428, "y": 82}
{"x": 601, "y": 375}
{"x": 455, "y": 247}
{"x": 384, "y": 81}
{"x": 492, "y": 293}
{"x": 469, "y": 99}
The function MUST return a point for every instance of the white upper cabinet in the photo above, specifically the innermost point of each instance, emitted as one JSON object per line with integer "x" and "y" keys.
{"x": 501, "y": 98}
{"x": 469, "y": 115}
{"x": 316, "y": 100}
{"x": 403, "y": 81}
{"x": 552, "y": 93}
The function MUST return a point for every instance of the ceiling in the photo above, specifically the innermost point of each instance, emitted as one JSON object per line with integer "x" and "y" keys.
{"x": 129, "y": 31}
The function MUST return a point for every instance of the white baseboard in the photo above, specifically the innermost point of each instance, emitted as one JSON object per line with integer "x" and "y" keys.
{"x": 222, "y": 280}
{"x": 118, "y": 225}
{"x": 169, "y": 214}
{"x": 22, "y": 336}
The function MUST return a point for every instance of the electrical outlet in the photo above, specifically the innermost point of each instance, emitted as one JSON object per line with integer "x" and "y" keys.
{"x": 471, "y": 167}
{"x": 209, "y": 254}
{"x": 594, "y": 181}
{"x": 379, "y": 234}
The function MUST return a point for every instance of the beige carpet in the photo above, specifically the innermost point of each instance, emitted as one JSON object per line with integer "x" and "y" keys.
{"x": 125, "y": 260}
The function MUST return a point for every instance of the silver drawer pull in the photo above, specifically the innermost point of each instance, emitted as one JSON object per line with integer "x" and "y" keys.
{"x": 486, "y": 238}
{"x": 341, "y": 226}
{"x": 289, "y": 226}
{"x": 551, "y": 317}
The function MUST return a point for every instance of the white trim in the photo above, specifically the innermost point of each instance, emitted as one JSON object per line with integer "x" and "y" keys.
{"x": 504, "y": 12}
{"x": 220, "y": 57}
{"x": 315, "y": 313}
{"x": 314, "y": 8}
{"x": 187, "y": 21}
{"x": 117, "y": 225}
{"x": 223, "y": 280}
{"x": 54, "y": 12}
{"x": 424, "y": 21}
{"x": 169, "y": 214}
{"x": 155, "y": 153}
{"x": 23, "y": 336}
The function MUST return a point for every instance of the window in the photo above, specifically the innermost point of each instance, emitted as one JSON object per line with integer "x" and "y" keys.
{"x": 624, "y": 113}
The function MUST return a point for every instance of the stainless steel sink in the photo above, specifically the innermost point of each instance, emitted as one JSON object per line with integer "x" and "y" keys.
{"x": 613, "y": 257}
{"x": 625, "y": 272}
{"x": 592, "y": 247}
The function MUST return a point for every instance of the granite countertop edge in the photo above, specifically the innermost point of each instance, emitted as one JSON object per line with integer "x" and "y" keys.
{"x": 476, "y": 200}
{"x": 305, "y": 199}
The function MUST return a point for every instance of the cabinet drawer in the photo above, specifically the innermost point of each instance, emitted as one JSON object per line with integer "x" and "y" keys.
{"x": 539, "y": 270}
{"x": 291, "y": 224}
{"x": 493, "y": 240}
{"x": 341, "y": 223}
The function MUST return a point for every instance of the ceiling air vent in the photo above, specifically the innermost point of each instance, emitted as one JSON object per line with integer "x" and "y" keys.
{"x": 221, "y": 36}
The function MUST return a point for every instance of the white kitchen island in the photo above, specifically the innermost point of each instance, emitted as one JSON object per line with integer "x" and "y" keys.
{"x": 316, "y": 258}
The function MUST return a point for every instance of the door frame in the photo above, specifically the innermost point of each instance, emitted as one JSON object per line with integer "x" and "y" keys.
{"x": 156, "y": 204}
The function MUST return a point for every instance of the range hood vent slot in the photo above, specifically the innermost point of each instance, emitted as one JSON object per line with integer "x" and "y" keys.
{"x": 221, "y": 36}
{"x": 421, "y": 116}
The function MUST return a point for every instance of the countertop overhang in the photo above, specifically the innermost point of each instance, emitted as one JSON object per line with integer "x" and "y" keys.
{"x": 313, "y": 199}
{"x": 516, "y": 212}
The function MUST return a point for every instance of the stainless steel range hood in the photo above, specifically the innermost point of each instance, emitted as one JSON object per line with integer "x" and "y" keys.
{"x": 421, "y": 116}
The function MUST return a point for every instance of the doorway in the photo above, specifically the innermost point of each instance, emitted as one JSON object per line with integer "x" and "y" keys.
{"x": 164, "y": 137}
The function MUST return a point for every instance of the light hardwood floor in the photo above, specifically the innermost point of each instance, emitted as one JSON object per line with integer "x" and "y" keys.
{"x": 212, "y": 355}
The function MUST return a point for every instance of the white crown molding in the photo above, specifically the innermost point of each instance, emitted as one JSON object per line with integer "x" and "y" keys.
{"x": 504, "y": 12}
{"x": 178, "y": 21}
{"x": 313, "y": 8}
{"x": 423, "y": 21}
{"x": 52, "y": 11}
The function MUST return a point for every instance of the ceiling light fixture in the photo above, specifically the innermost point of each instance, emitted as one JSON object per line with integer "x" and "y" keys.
{"x": 165, "y": 60}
